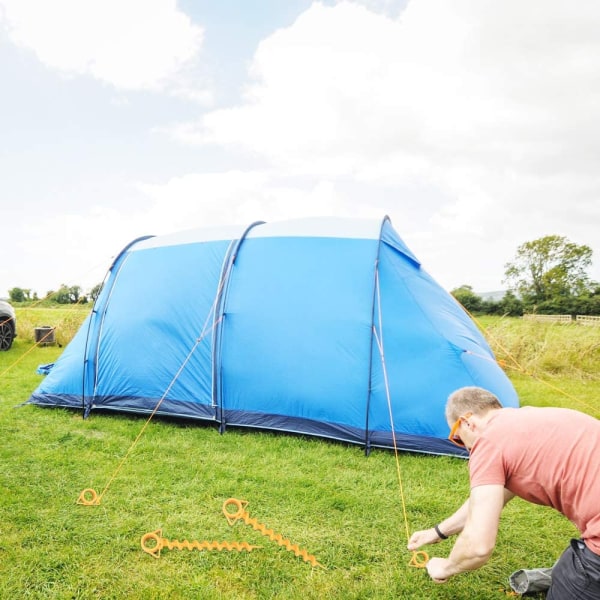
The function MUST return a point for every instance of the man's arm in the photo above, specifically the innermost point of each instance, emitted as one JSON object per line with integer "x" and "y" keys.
{"x": 450, "y": 526}
{"x": 476, "y": 542}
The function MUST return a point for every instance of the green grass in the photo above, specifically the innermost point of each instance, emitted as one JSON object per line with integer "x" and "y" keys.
{"x": 328, "y": 498}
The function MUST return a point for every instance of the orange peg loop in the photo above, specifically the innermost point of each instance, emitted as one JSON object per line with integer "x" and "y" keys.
{"x": 419, "y": 559}
{"x": 155, "y": 546}
{"x": 88, "y": 497}
{"x": 240, "y": 509}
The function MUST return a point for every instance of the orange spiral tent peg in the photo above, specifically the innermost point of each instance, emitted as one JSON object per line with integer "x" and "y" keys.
{"x": 241, "y": 514}
{"x": 153, "y": 542}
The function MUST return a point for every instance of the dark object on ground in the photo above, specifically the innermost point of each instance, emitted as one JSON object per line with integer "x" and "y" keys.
{"x": 529, "y": 581}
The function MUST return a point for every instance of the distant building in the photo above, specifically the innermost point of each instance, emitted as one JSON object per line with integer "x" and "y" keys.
{"x": 493, "y": 296}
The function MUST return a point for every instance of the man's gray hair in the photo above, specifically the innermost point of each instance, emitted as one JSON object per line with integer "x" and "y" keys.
{"x": 470, "y": 399}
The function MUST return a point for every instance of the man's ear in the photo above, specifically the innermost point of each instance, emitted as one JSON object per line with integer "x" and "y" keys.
{"x": 469, "y": 423}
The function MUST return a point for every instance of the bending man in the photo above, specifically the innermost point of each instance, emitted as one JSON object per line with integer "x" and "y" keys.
{"x": 548, "y": 456}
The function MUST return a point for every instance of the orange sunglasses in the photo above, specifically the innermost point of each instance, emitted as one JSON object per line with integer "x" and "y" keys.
{"x": 453, "y": 436}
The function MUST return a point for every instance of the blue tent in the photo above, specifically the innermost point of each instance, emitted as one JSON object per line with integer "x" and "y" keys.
{"x": 323, "y": 326}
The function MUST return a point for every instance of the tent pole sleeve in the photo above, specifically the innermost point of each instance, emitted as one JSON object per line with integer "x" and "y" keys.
{"x": 92, "y": 340}
{"x": 219, "y": 323}
{"x": 372, "y": 344}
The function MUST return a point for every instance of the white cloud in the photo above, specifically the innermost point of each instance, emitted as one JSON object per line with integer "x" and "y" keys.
{"x": 240, "y": 197}
{"x": 495, "y": 104}
{"x": 129, "y": 44}
{"x": 70, "y": 249}
{"x": 474, "y": 124}
{"x": 474, "y": 82}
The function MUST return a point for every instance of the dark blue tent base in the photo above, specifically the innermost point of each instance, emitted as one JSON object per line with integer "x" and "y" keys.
{"x": 188, "y": 412}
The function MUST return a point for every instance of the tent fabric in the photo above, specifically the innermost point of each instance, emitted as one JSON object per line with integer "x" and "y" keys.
{"x": 320, "y": 326}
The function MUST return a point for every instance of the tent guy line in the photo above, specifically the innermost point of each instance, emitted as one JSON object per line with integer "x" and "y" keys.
{"x": 419, "y": 558}
{"x": 89, "y": 496}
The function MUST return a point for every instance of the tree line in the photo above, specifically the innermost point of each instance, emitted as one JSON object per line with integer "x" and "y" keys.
{"x": 547, "y": 276}
{"x": 66, "y": 294}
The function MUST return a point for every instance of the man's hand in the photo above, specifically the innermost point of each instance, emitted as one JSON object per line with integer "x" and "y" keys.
{"x": 421, "y": 538}
{"x": 438, "y": 569}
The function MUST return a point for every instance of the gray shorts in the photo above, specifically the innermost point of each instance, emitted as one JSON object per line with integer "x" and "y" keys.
{"x": 576, "y": 575}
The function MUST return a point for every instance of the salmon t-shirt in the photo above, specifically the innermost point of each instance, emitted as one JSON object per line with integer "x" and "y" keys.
{"x": 549, "y": 456}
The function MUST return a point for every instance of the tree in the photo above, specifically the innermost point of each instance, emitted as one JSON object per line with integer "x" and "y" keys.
{"x": 511, "y": 305}
{"x": 18, "y": 294}
{"x": 549, "y": 267}
{"x": 467, "y": 297}
{"x": 68, "y": 295}
{"x": 95, "y": 291}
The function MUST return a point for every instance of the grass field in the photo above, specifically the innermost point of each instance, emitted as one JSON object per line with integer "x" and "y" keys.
{"x": 328, "y": 498}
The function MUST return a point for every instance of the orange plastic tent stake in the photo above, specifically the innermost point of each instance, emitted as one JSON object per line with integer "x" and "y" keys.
{"x": 153, "y": 543}
{"x": 241, "y": 514}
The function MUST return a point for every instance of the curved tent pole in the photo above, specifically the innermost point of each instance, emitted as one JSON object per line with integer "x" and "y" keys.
{"x": 373, "y": 302}
{"x": 92, "y": 339}
{"x": 218, "y": 320}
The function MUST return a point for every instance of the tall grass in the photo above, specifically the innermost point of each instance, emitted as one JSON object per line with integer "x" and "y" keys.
{"x": 545, "y": 349}
{"x": 65, "y": 319}
{"x": 328, "y": 498}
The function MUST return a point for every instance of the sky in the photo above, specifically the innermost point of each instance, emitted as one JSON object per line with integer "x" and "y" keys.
{"x": 473, "y": 124}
